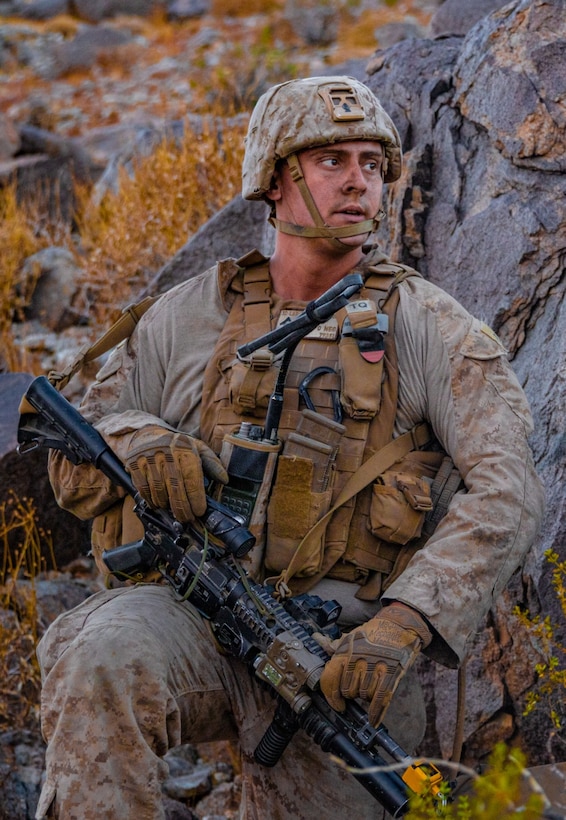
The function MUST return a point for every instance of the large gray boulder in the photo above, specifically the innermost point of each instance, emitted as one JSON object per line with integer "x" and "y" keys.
{"x": 479, "y": 210}
{"x": 25, "y": 489}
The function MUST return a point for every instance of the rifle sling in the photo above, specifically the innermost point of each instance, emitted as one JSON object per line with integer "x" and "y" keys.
{"x": 380, "y": 461}
{"x": 120, "y": 330}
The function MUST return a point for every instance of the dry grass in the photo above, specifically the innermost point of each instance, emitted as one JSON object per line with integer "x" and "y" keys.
{"x": 122, "y": 240}
{"x": 21, "y": 541}
{"x": 19, "y": 239}
{"x": 236, "y": 8}
{"x": 549, "y": 641}
{"x": 24, "y": 230}
{"x": 129, "y": 235}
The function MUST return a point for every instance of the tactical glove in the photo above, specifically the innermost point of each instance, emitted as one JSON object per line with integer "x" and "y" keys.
{"x": 370, "y": 660}
{"x": 168, "y": 469}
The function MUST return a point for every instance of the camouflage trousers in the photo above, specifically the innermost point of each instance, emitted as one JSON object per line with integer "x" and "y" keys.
{"x": 132, "y": 673}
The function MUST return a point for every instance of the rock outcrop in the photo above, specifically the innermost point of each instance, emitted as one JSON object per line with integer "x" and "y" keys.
{"x": 479, "y": 210}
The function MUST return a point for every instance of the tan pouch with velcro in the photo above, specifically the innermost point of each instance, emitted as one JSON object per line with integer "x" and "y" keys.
{"x": 293, "y": 509}
{"x": 401, "y": 498}
{"x": 302, "y": 493}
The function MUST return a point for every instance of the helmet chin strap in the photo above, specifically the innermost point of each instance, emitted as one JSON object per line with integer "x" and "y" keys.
{"x": 320, "y": 229}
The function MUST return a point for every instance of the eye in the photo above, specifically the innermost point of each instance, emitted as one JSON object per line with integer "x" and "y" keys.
{"x": 373, "y": 165}
{"x": 330, "y": 162}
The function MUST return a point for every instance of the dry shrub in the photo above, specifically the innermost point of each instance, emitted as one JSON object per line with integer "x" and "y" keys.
{"x": 235, "y": 8}
{"x": 23, "y": 232}
{"x": 17, "y": 242}
{"x": 119, "y": 61}
{"x": 357, "y": 37}
{"x": 505, "y": 789}
{"x": 247, "y": 71}
{"x": 19, "y": 669}
{"x": 547, "y": 636}
{"x": 130, "y": 234}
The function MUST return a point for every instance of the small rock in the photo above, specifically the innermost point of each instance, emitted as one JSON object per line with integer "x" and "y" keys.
{"x": 52, "y": 276}
{"x": 41, "y": 9}
{"x": 189, "y": 786}
{"x": 188, "y": 9}
{"x": 96, "y": 10}
{"x": 83, "y": 50}
{"x": 314, "y": 22}
{"x": 9, "y": 139}
{"x": 223, "y": 802}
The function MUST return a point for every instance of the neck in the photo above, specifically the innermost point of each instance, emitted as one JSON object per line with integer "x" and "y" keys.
{"x": 302, "y": 269}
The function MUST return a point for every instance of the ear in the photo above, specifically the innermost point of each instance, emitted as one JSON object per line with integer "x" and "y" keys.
{"x": 274, "y": 192}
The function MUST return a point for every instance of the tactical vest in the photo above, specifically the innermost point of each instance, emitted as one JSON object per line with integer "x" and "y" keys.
{"x": 236, "y": 392}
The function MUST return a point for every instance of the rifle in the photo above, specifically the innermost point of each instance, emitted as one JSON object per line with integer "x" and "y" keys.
{"x": 273, "y": 639}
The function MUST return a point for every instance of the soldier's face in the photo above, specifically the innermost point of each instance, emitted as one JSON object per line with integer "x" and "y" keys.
{"x": 345, "y": 181}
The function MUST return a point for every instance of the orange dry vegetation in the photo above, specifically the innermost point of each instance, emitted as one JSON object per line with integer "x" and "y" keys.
{"x": 121, "y": 241}
{"x": 126, "y": 236}
{"x": 129, "y": 235}
{"x": 19, "y": 670}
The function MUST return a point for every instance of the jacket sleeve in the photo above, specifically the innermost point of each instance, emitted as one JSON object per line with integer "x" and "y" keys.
{"x": 454, "y": 373}
{"x": 153, "y": 378}
{"x": 83, "y": 489}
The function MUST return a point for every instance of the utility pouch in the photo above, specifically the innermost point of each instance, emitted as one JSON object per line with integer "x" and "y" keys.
{"x": 250, "y": 464}
{"x": 361, "y": 351}
{"x": 302, "y": 492}
{"x": 401, "y": 497}
{"x": 252, "y": 383}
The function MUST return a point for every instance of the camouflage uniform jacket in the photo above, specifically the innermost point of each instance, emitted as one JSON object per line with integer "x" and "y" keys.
{"x": 453, "y": 373}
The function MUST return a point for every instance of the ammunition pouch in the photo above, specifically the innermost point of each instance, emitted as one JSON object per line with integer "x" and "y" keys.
{"x": 402, "y": 497}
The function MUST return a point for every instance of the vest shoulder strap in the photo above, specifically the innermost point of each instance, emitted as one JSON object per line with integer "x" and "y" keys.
{"x": 387, "y": 277}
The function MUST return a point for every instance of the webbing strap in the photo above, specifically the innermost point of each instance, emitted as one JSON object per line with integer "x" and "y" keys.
{"x": 257, "y": 301}
{"x": 120, "y": 330}
{"x": 375, "y": 465}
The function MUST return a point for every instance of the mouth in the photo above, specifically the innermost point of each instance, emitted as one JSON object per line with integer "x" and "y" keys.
{"x": 353, "y": 213}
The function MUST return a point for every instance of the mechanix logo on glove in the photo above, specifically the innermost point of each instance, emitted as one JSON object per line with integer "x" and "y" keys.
{"x": 370, "y": 661}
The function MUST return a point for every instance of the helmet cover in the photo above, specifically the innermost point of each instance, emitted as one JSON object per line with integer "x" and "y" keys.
{"x": 306, "y": 113}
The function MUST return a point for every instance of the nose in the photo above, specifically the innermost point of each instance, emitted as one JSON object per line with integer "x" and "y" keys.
{"x": 355, "y": 179}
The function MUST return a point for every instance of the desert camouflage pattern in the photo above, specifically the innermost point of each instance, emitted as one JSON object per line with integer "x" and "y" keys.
{"x": 305, "y": 113}
{"x": 163, "y": 683}
{"x": 453, "y": 372}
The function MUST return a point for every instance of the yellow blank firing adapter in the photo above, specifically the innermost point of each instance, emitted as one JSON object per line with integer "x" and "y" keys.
{"x": 422, "y": 775}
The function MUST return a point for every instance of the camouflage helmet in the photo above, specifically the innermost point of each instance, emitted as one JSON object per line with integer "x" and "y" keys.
{"x": 305, "y": 113}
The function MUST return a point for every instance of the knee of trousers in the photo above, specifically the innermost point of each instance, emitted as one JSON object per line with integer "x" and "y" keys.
{"x": 109, "y": 657}
{"x": 112, "y": 627}
{"x": 111, "y": 698}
